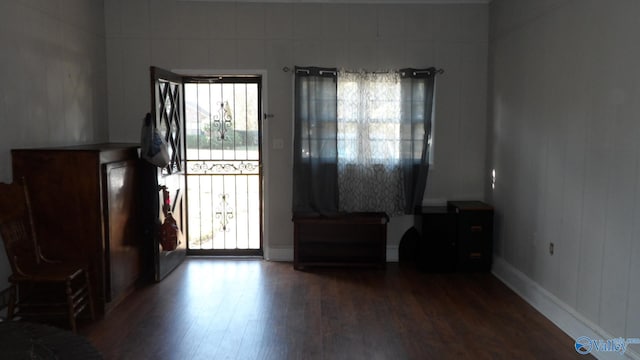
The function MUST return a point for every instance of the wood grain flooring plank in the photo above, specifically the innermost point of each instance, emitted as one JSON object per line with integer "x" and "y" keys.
{"x": 212, "y": 308}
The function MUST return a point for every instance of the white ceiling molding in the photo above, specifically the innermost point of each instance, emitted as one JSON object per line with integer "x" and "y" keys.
{"x": 352, "y": 1}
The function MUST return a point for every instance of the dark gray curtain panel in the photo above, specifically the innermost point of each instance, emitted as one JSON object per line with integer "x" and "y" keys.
{"x": 315, "y": 152}
{"x": 418, "y": 91}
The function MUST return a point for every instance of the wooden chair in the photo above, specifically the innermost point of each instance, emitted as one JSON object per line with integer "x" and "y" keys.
{"x": 41, "y": 289}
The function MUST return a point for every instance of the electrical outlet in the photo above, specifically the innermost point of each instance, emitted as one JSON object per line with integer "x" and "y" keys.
{"x": 551, "y": 248}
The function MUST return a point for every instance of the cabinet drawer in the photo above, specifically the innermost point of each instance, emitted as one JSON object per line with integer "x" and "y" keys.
{"x": 474, "y": 227}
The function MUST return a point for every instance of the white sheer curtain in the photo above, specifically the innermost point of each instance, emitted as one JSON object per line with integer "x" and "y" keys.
{"x": 370, "y": 174}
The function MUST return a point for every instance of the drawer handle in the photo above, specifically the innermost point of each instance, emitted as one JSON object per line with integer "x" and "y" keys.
{"x": 476, "y": 228}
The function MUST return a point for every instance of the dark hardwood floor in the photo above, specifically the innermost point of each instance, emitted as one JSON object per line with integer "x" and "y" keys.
{"x": 252, "y": 309}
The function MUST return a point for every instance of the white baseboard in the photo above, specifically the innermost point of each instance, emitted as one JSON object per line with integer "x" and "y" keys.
{"x": 392, "y": 253}
{"x": 280, "y": 253}
{"x": 554, "y": 309}
{"x": 285, "y": 253}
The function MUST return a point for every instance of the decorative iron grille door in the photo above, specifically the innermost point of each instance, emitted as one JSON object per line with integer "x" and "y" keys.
{"x": 167, "y": 111}
{"x": 223, "y": 165}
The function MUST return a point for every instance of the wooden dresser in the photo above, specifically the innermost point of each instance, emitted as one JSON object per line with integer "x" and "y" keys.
{"x": 85, "y": 208}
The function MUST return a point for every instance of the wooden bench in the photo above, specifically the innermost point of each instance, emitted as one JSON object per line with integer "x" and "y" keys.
{"x": 350, "y": 239}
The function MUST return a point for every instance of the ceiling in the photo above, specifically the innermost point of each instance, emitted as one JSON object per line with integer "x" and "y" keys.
{"x": 356, "y": 1}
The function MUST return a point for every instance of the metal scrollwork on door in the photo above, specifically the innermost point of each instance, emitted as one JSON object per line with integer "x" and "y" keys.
{"x": 231, "y": 167}
{"x": 223, "y": 120}
{"x": 169, "y": 100}
{"x": 224, "y": 213}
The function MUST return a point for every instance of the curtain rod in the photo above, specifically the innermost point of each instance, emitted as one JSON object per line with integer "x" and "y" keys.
{"x": 320, "y": 71}
{"x": 438, "y": 71}
{"x": 415, "y": 72}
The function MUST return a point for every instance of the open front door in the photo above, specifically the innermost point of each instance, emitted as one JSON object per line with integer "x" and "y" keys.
{"x": 167, "y": 185}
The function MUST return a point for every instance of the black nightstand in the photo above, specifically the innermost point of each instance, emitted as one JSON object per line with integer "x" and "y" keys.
{"x": 458, "y": 237}
{"x": 474, "y": 234}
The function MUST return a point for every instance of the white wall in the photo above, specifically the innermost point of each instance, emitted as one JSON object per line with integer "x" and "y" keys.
{"x": 565, "y": 136}
{"x": 53, "y": 73}
{"x": 212, "y": 35}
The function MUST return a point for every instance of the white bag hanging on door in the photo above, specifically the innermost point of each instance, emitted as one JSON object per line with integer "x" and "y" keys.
{"x": 154, "y": 147}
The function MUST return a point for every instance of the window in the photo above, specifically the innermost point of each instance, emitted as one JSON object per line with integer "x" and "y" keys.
{"x": 369, "y": 117}
{"x": 361, "y": 140}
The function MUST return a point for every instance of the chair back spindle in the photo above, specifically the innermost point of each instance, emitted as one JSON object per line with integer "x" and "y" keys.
{"x": 16, "y": 228}
{"x": 32, "y": 273}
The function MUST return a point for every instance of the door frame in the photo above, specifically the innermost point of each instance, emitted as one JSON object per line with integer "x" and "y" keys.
{"x": 263, "y": 145}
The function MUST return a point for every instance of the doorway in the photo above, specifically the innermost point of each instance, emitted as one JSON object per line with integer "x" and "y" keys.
{"x": 223, "y": 165}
